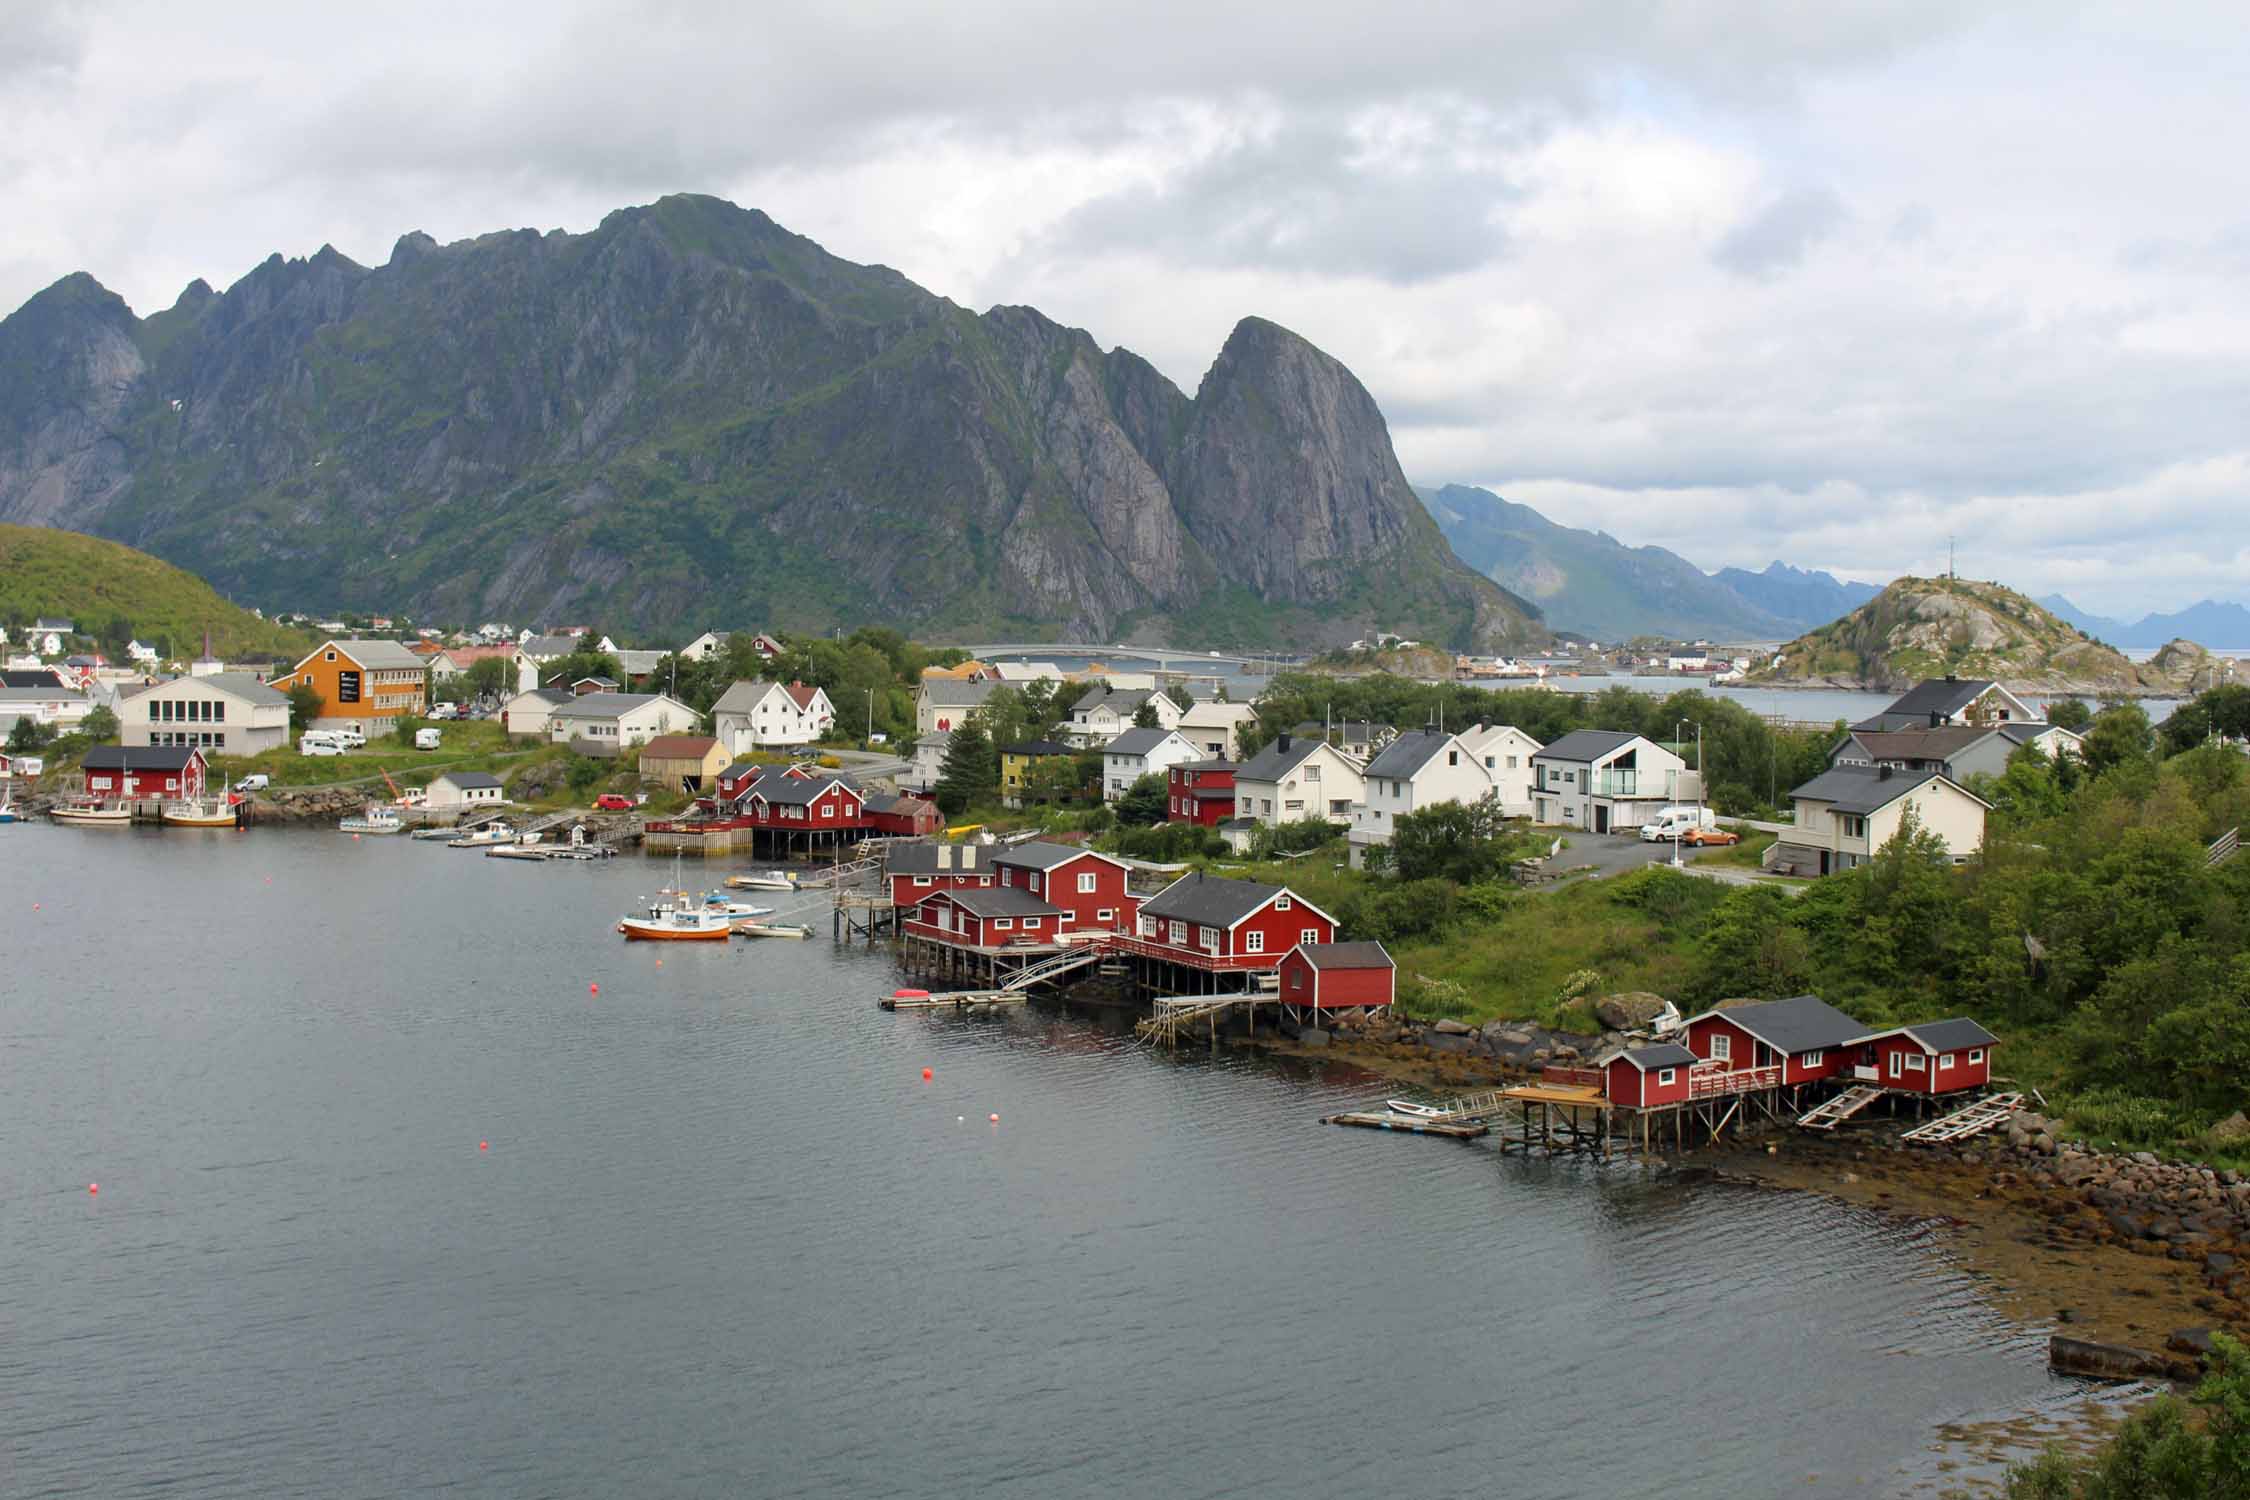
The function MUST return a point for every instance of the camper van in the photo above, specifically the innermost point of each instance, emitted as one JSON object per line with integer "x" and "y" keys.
{"x": 1671, "y": 822}
{"x": 426, "y": 739}
{"x": 319, "y": 742}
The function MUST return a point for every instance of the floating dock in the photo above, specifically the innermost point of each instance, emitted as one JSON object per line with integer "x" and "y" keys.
{"x": 1383, "y": 1119}
{"x": 951, "y": 999}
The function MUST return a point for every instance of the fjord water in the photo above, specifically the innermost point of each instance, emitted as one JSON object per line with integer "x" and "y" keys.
{"x": 725, "y": 1240}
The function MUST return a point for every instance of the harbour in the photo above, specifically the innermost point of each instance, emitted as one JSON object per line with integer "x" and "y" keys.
{"x": 679, "y": 1209}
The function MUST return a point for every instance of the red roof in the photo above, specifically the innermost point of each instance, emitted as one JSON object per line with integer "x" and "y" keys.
{"x": 800, "y": 694}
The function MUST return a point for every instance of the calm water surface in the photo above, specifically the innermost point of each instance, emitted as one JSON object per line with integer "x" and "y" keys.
{"x": 726, "y": 1241}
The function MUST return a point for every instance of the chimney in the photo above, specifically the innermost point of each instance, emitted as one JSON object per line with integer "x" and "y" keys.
{"x": 1937, "y": 720}
{"x": 1882, "y": 773}
{"x": 1283, "y": 742}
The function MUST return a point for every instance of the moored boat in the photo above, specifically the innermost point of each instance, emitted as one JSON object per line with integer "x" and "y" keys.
{"x": 763, "y": 880}
{"x": 676, "y": 921}
{"x": 478, "y": 838}
{"x": 377, "y": 819}
{"x": 92, "y": 814}
{"x": 757, "y": 929}
{"x": 7, "y": 809}
{"x": 1412, "y": 1110}
{"x": 718, "y": 902}
{"x": 435, "y": 835}
{"x": 202, "y": 812}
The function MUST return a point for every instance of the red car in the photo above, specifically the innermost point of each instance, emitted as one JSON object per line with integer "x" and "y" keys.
{"x": 614, "y": 802}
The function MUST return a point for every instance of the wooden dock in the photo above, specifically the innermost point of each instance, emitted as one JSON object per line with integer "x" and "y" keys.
{"x": 953, "y": 999}
{"x": 1383, "y": 1119}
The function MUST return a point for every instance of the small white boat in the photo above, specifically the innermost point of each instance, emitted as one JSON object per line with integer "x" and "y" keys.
{"x": 204, "y": 812}
{"x": 377, "y": 819}
{"x": 518, "y": 851}
{"x": 7, "y": 810}
{"x": 92, "y": 814}
{"x": 1412, "y": 1110}
{"x": 763, "y": 880}
{"x": 754, "y": 929}
{"x": 719, "y": 903}
{"x": 434, "y": 835}
{"x": 490, "y": 833}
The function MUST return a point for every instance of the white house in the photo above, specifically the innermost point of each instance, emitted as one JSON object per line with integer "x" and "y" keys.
{"x": 1105, "y": 713}
{"x": 608, "y": 723}
{"x": 704, "y": 646}
{"x": 1141, "y": 752}
{"x": 921, "y": 773}
{"x": 1505, "y": 752}
{"x": 1295, "y": 778}
{"x": 137, "y": 652}
{"x": 1419, "y": 770}
{"x": 1215, "y": 728}
{"x": 1605, "y": 780}
{"x": 230, "y": 713}
{"x": 55, "y": 706}
{"x": 759, "y": 713}
{"x": 1952, "y": 700}
{"x": 546, "y": 648}
{"x": 944, "y": 704}
{"x": 454, "y": 790}
{"x": 1847, "y": 813}
{"x": 526, "y": 714}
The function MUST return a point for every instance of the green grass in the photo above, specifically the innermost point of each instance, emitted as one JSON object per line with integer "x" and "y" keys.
{"x": 49, "y": 572}
{"x": 476, "y": 746}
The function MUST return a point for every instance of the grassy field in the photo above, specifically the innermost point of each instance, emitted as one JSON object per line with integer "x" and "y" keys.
{"x": 474, "y": 746}
{"x": 49, "y": 572}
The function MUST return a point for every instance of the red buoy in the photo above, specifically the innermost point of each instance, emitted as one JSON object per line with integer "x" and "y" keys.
{"x": 484, "y": 1145}
{"x": 995, "y": 1119}
{"x": 928, "y": 1074}
{"x": 593, "y": 989}
{"x": 93, "y": 1187}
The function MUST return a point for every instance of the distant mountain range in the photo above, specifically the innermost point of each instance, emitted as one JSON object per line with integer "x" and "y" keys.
{"x": 1589, "y": 583}
{"x": 2222, "y": 627}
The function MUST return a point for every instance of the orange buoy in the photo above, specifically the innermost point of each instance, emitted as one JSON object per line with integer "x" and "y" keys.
{"x": 660, "y": 963}
{"x": 928, "y": 1074}
{"x": 995, "y": 1119}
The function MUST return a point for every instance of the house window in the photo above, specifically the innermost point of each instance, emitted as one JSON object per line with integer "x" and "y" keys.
{"x": 1809, "y": 1059}
{"x": 1296, "y": 979}
{"x": 1976, "y": 1055}
{"x": 1007, "y": 877}
{"x": 1003, "y": 923}
{"x": 1945, "y": 1061}
{"x": 1855, "y": 827}
{"x": 1915, "y": 1062}
{"x": 1281, "y": 903}
{"x": 1308, "y": 934}
{"x": 1453, "y": 757}
{"x": 1086, "y": 883}
{"x": 921, "y": 880}
{"x": 1106, "y": 914}
{"x": 1253, "y": 941}
{"x": 1511, "y": 762}
{"x": 1665, "y": 1076}
{"x": 1722, "y": 1047}
{"x": 1488, "y": 762}
{"x": 1179, "y": 932}
{"x": 1030, "y": 922}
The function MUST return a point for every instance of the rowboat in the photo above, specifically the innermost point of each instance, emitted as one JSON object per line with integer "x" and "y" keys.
{"x": 763, "y": 880}
{"x": 772, "y": 929}
{"x": 201, "y": 812}
{"x": 377, "y": 819}
{"x": 1412, "y": 1110}
{"x": 92, "y": 814}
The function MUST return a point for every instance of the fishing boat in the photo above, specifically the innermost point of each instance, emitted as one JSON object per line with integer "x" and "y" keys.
{"x": 478, "y": 838}
{"x": 377, "y": 819}
{"x": 92, "y": 814}
{"x": 763, "y": 880}
{"x": 201, "y": 812}
{"x": 756, "y": 929}
{"x": 679, "y": 920}
{"x": 7, "y": 809}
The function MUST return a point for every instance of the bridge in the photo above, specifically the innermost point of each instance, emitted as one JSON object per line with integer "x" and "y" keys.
{"x": 1165, "y": 657}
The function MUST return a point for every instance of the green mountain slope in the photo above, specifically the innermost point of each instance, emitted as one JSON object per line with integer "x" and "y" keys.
{"x": 689, "y": 415}
{"x": 1589, "y": 582}
{"x": 92, "y": 582}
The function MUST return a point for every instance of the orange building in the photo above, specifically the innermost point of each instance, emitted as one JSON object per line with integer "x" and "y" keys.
{"x": 366, "y": 683}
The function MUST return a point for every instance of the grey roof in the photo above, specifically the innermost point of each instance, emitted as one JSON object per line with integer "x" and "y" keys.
{"x": 381, "y": 656}
{"x": 952, "y": 692}
{"x": 1662, "y": 1055}
{"x": 1862, "y": 789}
{"x": 1000, "y": 901}
{"x": 1803, "y": 1023}
{"x": 470, "y": 780}
{"x": 1407, "y": 755}
{"x": 1038, "y": 747}
{"x": 607, "y": 682}
{"x": 1137, "y": 741}
{"x": 937, "y": 739}
{"x": 1204, "y": 765}
{"x": 604, "y": 705}
{"x": 921, "y": 859}
{"x": 745, "y": 768}
{"x": 743, "y": 694}
{"x": 545, "y": 695}
{"x": 1586, "y": 745}
{"x": 796, "y": 791}
{"x": 138, "y": 758}
{"x": 1346, "y": 955}
{"x": 1942, "y": 1036}
{"x": 549, "y": 647}
{"x": 2024, "y": 731}
{"x": 1920, "y": 741}
{"x": 1116, "y": 700}
{"x": 1944, "y": 696}
{"x": 1210, "y": 900}
{"x": 1039, "y": 855}
{"x": 244, "y": 686}
{"x": 43, "y": 694}
{"x": 1276, "y": 760}
{"x": 884, "y": 802}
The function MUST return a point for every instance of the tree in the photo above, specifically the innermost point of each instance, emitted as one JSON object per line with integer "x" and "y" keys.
{"x": 1464, "y": 842}
{"x": 29, "y": 735}
{"x": 2119, "y": 736}
{"x": 1145, "y": 717}
{"x": 2069, "y": 713}
{"x": 305, "y": 705}
{"x": 487, "y": 677}
{"x": 1145, "y": 802}
{"x": 971, "y": 771}
{"x": 100, "y": 725}
{"x": 2159, "y": 1454}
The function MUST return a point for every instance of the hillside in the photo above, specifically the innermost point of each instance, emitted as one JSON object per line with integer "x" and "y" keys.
{"x": 1591, "y": 584}
{"x": 46, "y": 572}
{"x": 690, "y": 416}
{"x": 1931, "y": 627}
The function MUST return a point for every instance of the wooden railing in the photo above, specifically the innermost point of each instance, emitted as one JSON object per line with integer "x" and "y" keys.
{"x": 1199, "y": 958}
{"x": 1703, "y": 1083}
{"x": 1588, "y": 1078}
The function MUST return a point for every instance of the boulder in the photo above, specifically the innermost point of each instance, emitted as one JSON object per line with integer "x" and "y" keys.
{"x": 2195, "y": 1343}
{"x": 1448, "y": 1041}
{"x": 1628, "y": 1011}
{"x": 1312, "y": 1036}
{"x": 2232, "y": 1130}
{"x": 1451, "y": 1027}
{"x": 2103, "y": 1361}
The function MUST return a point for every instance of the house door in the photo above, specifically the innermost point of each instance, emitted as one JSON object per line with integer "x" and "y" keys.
{"x": 1824, "y": 861}
{"x": 1601, "y": 817}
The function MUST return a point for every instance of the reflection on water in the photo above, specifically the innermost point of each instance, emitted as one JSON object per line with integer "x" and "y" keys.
{"x": 724, "y": 1239}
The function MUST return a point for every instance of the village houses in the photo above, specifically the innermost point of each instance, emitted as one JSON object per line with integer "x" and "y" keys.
{"x": 525, "y": 715}
{"x": 1505, "y": 752}
{"x": 366, "y": 685}
{"x": 1848, "y": 812}
{"x": 1415, "y": 771}
{"x": 229, "y": 713}
{"x": 607, "y": 724}
{"x": 943, "y": 704}
{"x": 1604, "y": 780}
{"x": 455, "y": 791}
{"x": 1104, "y": 713}
{"x": 760, "y": 714}
{"x": 1215, "y": 728}
{"x": 687, "y": 763}
{"x": 1141, "y": 752}
{"x": 1200, "y": 791}
{"x": 1295, "y": 778}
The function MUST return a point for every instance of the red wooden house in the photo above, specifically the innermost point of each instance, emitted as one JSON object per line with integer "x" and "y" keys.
{"x": 1201, "y": 791}
{"x": 805, "y": 804}
{"x": 1089, "y": 887}
{"x": 123, "y": 772}
{"x": 993, "y": 917}
{"x": 902, "y": 815}
{"x": 1338, "y": 976}
{"x": 1650, "y": 1077}
{"x": 1929, "y": 1057}
{"x": 914, "y": 871}
{"x": 1213, "y": 923}
{"x": 740, "y": 777}
{"x": 1800, "y": 1040}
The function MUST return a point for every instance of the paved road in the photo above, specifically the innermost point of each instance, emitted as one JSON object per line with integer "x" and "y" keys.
{"x": 1617, "y": 853}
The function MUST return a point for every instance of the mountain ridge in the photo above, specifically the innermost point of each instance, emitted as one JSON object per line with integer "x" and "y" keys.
{"x": 2214, "y": 623}
{"x": 691, "y": 409}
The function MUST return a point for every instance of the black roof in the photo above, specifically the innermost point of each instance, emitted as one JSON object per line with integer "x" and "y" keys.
{"x": 1278, "y": 759}
{"x": 1204, "y": 765}
{"x": 1803, "y": 1023}
{"x": 792, "y": 791}
{"x": 1407, "y": 754}
{"x": 922, "y": 859}
{"x": 43, "y": 677}
{"x": 1863, "y": 789}
{"x": 138, "y": 758}
{"x": 1038, "y": 747}
{"x": 1037, "y": 854}
{"x": 1346, "y": 955}
{"x": 1940, "y": 695}
{"x": 1138, "y": 741}
{"x": 1661, "y": 1055}
{"x": 1210, "y": 900}
{"x": 467, "y": 779}
{"x": 1587, "y": 745}
{"x": 1000, "y": 901}
{"x": 1943, "y": 1036}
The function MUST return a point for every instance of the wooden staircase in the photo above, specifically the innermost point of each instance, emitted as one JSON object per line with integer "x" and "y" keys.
{"x": 1836, "y": 1111}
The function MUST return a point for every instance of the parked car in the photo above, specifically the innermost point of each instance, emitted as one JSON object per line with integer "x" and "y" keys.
{"x": 1710, "y": 837}
{"x": 256, "y": 781}
{"x": 350, "y": 737}
{"x": 320, "y": 742}
{"x": 614, "y": 802}
{"x": 445, "y": 711}
{"x": 1672, "y": 822}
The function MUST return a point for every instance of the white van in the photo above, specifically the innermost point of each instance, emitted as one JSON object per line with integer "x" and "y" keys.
{"x": 426, "y": 739}
{"x": 319, "y": 742}
{"x": 351, "y": 737}
{"x": 1671, "y": 822}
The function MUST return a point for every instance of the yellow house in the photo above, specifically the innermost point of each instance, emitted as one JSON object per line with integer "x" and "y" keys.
{"x": 1017, "y": 763}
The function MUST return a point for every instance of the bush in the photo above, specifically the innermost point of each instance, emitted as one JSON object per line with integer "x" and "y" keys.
{"x": 1400, "y": 913}
{"x": 1166, "y": 843}
{"x": 584, "y": 772}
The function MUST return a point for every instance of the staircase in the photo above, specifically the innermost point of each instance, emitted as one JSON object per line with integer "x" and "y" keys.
{"x": 2223, "y": 848}
{"x": 1052, "y": 968}
{"x": 1970, "y": 1119}
{"x": 1839, "y": 1109}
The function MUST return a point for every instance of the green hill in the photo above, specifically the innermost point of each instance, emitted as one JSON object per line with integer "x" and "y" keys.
{"x": 93, "y": 582}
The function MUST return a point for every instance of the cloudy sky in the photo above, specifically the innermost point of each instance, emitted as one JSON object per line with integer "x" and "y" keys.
{"x": 1750, "y": 279}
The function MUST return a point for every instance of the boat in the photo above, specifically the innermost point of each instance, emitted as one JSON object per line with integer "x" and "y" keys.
{"x": 678, "y": 920}
{"x": 763, "y": 880}
{"x": 756, "y": 929}
{"x": 478, "y": 838}
{"x": 716, "y": 901}
{"x": 517, "y": 851}
{"x": 1412, "y": 1110}
{"x": 377, "y": 819}
{"x": 435, "y": 834}
{"x": 7, "y": 809}
{"x": 92, "y": 814}
{"x": 202, "y": 812}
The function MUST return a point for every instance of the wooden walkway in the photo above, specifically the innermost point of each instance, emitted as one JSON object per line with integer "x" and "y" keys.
{"x": 1383, "y": 1119}
{"x": 952, "y": 1000}
{"x": 1971, "y": 1119}
{"x": 1839, "y": 1109}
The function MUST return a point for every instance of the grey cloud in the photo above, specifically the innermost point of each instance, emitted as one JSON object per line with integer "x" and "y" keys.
{"x": 1779, "y": 236}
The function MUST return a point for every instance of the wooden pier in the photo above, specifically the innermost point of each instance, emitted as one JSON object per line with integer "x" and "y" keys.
{"x": 952, "y": 999}
{"x": 1377, "y": 1119}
